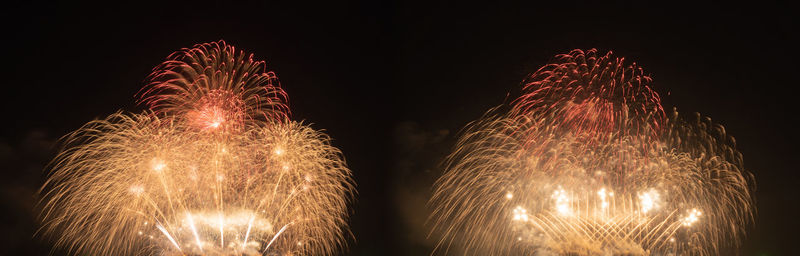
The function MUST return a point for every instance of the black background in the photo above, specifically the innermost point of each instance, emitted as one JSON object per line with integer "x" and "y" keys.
{"x": 393, "y": 82}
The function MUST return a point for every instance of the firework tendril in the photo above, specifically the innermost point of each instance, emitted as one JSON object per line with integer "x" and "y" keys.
{"x": 587, "y": 162}
{"x": 215, "y": 167}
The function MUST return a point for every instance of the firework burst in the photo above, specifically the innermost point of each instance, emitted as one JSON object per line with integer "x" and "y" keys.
{"x": 214, "y": 168}
{"x": 587, "y": 162}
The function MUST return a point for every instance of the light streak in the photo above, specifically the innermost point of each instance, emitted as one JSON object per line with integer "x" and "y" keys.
{"x": 276, "y": 237}
{"x": 168, "y": 236}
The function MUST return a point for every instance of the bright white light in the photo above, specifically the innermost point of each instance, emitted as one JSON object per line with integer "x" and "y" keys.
{"x": 520, "y": 214}
{"x": 137, "y": 190}
{"x": 693, "y": 216}
{"x": 158, "y": 165}
{"x": 648, "y": 200}
{"x": 603, "y": 195}
{"x": 562, "y": 202}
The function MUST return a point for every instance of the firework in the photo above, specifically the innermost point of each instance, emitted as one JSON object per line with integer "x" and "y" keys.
{"x": 587, "y": 162}
{"x": 214, "y": 168}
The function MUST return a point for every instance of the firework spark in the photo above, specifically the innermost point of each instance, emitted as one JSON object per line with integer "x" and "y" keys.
{"x": 587, "y": 162}
{"x": 215, "y": 168}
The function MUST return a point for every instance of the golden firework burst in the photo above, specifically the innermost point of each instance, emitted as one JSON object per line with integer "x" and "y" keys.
{"x": 216, "y": 168}
{"x": 586, "y": 162}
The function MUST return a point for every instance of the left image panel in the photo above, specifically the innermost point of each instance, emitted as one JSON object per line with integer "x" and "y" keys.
{"x": 215, "y": 165}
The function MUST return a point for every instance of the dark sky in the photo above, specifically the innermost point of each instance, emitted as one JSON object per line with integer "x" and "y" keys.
{"x": 393, "y": 82}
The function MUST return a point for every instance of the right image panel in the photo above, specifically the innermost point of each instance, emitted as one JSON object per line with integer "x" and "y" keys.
{"x": 587, "y": 161}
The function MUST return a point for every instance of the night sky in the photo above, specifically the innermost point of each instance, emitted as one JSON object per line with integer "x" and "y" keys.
{"x": 393, "y": 83}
